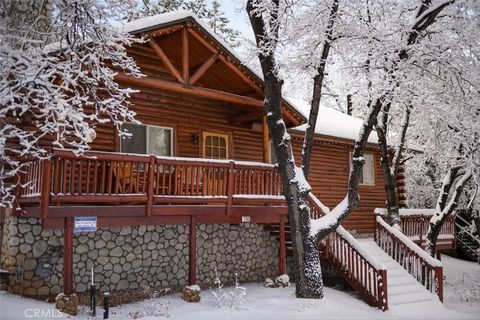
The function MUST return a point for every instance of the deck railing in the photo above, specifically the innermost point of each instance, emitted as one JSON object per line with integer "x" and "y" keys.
{"x": 116, "y": 178}
{"x": 415, "y": 223}
{"x": 425, "y": 269}
{"x": 358, "y": 267}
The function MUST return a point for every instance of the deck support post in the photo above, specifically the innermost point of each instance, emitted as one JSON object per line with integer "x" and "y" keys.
{"x": 282, "y": 268}
{"x": 192, "y": 251}
{"x": 265, "y": 141}
{"x": 68, "y": 257}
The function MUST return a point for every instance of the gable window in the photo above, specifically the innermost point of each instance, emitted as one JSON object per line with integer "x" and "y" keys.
{"x": 147, "y": 139}
{"x": 215, "y": 145}
{"x": 367, "y": 175}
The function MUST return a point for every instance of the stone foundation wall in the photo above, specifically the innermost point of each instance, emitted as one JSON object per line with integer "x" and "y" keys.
{"x": 134, "y": 257}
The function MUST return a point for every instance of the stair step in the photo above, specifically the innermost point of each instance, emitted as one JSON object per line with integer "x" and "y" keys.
{"x": 405, "y": 289}
{"x": 401, "y": 281}
{"x": 411, "y": 298}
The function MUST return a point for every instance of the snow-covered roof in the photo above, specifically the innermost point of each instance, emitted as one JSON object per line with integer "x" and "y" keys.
{"x": 331, "y": 122}
{"x": 168, "y": 18}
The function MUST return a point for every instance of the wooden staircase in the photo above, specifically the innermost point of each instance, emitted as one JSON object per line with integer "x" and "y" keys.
{"x": 467, "y": 241}
{"x": 387, "y": 269}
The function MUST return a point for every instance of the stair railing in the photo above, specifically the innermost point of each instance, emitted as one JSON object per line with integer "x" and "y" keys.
{"x": 427, "y": 270}
{"x": 472, "y": 243}
{"x": 357, "y": 266}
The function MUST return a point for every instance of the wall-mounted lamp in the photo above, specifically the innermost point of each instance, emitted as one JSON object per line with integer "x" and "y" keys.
{"x": 195, "y": 138}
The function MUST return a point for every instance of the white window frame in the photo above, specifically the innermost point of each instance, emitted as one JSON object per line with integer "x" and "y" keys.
{"x": 147, "y": 139}
{"x": 364, "y": 167}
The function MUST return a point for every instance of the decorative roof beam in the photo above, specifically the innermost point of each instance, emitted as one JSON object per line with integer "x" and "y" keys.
{"x": 235, "y": 68}
{"x": 190, "y": 90}
{"x": 185, "y": 62}
{"x": 166, "y": 61}
{"x": 247, "y": 117}
{"x": 204, "y": 67}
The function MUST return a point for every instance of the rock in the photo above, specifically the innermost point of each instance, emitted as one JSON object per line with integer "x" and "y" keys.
{"x": 123, "y": 284}
{"x": 191, "y": 293}
{"x": 116, "y": 252}
{"x": 282, "y": 281}
{"x": 66, "y": 304}
{"x": 24, "y": 228}
{"x": 24, "y": 248}
{"x": 269, "y": 283}
{"x": 168, "y": 234}
{"x": 82, "y": 248}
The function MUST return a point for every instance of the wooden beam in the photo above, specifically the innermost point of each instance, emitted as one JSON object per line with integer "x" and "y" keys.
{"x": 68, "y": 257}
{"x": 192, "y": 251}
{"x": 185, "y": 62}
{"x": 236, "y": 69}
{"x": 194, "y": 91}
{"x": 265, "y": 140}
{"x": 246, "y": 117}
{"x": 167, "y": 30}
{"x": 166, "y": 61}
{"x": 203, "y": 68}
{"x": 203, "y": 40}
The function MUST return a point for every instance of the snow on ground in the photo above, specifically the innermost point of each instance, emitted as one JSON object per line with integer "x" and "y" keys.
{"x": 462, "y": 284}
{"x": 461, "y": 302}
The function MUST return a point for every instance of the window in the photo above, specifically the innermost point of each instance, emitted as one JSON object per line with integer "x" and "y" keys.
{"x": 215, "y": 145}
{"x": 147, "y": 139}
{"x": 367, "y": 176}
{"x": 273, "y": 155}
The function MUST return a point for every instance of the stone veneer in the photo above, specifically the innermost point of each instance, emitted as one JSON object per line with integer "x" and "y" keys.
{"x": 134, "y": 257}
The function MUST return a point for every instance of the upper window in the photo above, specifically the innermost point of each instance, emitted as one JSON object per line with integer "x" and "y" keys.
{"x": 367, "y": 175}
{"x": 215, "y": 145}
{"x": 147, "y": 139}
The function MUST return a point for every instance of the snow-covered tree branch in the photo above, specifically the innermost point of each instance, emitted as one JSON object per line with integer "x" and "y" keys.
{"x": 57, "y": 84}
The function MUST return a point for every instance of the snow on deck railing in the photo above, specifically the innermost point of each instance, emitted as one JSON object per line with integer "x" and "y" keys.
{"x": 427, "y": 270}
{"x": 362, "y": 271}
{"x": 409, "y": 243}
{"x": 407, "y": 212}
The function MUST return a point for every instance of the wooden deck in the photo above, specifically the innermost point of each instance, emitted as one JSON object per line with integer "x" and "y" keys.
{"x": 140, "y": 188}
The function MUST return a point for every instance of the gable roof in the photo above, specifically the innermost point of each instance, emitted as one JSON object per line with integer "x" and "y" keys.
{"x": 332, "y": 123}
{"x": 168, "y": 19}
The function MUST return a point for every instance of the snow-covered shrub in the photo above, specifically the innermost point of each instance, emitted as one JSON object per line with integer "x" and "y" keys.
{"x": 232, "y": 298}
{"x": 155, "y": 306}
{"x": 282, "y": 281}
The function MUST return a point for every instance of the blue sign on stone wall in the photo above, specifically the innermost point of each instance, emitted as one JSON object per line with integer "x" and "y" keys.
{"x": 85, "y": 224}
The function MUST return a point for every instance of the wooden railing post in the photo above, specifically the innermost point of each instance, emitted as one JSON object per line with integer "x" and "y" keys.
{"x": 17, "y": 192}
{"x": 382, "y": 290}
{"x": 230, "y": 186}
{"x": 375, "y": 235}
{"x": 46, "y": 182}
{"x": 439, "y": 282}
{"x": 151, "y": 175}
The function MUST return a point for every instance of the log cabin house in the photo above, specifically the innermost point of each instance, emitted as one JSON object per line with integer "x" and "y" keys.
{"x": 192, "y": 192}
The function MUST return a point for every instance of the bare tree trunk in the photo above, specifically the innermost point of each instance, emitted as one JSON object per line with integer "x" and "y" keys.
{"x": 317, "y": 92}
{"x": 305, "y": 251}
{"x": 442, "y": 209}
{"x": 390, "y": 167}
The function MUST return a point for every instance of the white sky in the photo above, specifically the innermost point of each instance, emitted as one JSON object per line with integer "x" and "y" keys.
{"x": 236, "y": 13}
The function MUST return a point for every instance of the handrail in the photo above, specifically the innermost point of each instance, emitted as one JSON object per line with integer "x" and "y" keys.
{"x": 415, "y": 223}
{"x": 102, "y": 177}
{"x": 425, "y": 269}
{"x": 358, "y": 267}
